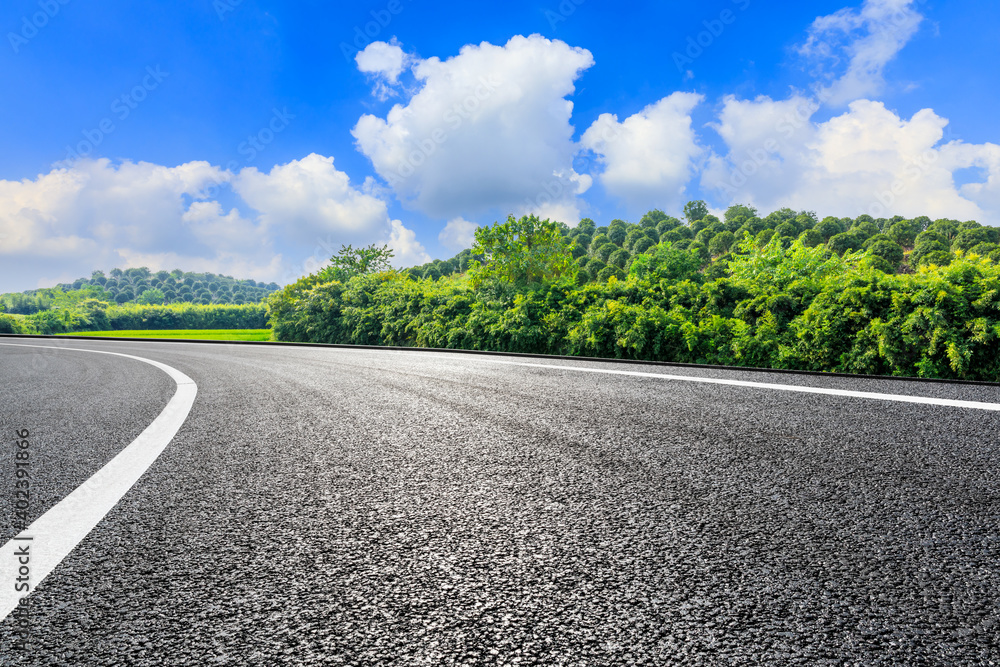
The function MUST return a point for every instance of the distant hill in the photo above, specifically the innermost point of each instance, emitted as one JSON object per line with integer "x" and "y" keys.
{"x": 142, "y": 286}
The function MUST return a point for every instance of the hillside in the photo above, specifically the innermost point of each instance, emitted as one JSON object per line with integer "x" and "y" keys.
{"x": 139, "y": 286}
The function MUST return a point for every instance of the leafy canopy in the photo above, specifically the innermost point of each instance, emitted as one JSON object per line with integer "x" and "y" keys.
{"x": 523, "y": 252}
{"x": 350, "y": 262}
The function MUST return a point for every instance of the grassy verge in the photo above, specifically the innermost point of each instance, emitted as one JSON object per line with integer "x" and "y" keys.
{"x": 190, "y": 334}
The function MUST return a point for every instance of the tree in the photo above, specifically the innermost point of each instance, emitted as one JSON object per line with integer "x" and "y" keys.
{"x": 737, "y": 215}
{"x": 522, "y": 252}
{"x": 605, "y": 251}
{"x": 350, "y": 262}
{"x": 811, "y": 238}
{"x": 973, "y": 236}
{"x": 652, "y": 218}
{"x": 904, "y": 232}
{"x": 695, "y": 210}
{"x": 787, "y": 229}
{"x": 888, "y": 250}
{"x": 721, "y": 243}
{"x": 829, "y": 227}
{"x": 151, "y": 296}
{"x": 864, "y": 229}
{"x": 619, "y": 258}
{"x": 597, "y": 241}
{"x": 642, "y": 245}
{"x": 845, "y": 242}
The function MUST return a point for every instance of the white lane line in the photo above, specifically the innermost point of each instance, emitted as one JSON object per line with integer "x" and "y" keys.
{"x": 902, "y": 398}
{"x": 56, "y": 533}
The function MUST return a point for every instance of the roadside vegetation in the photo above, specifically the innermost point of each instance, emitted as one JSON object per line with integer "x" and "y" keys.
{"x": 138, "y": 299}
{"x": 139, "y": 286}
{"x": 189, "y": 334}
{"x": 911, "y": 297}
{"x": 95, "y": 315}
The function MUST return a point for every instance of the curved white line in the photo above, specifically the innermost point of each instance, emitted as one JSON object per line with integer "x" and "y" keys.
{"x": 56, "y": 533}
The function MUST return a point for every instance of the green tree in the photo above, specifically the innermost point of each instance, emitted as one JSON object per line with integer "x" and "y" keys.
{"x": 652, "y": 219}
{"x": 350, "y": 262}
{"x": 604, "y": 252}
{"x": 695, "y": 210}
{"x": 737, "y": 215}
{"x": 811, "y": 238}
{"x": 888, "y": 250}
{"x": 523, "y": 252}
{"x": 829, "y": 227}
{"x": 617, "y": 234}
{"x": 845, "y": 242}
{"x": 721, "y": 243}
{"x": 619, "y": 258}
{"x": 151, "y": 296}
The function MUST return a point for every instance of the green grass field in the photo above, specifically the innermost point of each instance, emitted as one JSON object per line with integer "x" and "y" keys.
{"x": 190, "y": 334}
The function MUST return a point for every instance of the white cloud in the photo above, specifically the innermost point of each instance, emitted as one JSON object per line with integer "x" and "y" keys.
{"x": 650, "y": 156}
{"x": 382, "y": 58}
{"x": 487, "y": 130}
{"x": 96, "y": 214}
{"x": 385, "y": 61}
{"x": 869, "y": 39}
{"x": 458, "y": 234}
{"x": 310, "y": 199}
{"x": 407, "y": 251}
{"x": 866, "y": 160}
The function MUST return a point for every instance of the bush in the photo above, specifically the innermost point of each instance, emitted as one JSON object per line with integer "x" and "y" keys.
{"x": 619, "y": 258}
{"x": 845, "y": 242}
{"x": 811, "y": 238}
{"x": 829, "y": 227}
{"x": 891, "y": 252}
{"x": 721, "y": 243}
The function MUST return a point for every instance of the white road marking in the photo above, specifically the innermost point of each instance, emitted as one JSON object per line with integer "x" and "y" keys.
{"x": 56, "y": 533}
{"x": 902, "y": 398}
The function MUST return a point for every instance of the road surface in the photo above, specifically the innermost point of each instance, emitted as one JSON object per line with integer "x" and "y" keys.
{"x": 327, "y": 506}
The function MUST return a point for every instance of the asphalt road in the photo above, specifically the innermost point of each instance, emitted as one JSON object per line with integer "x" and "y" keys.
{"x": 352, "y": 507}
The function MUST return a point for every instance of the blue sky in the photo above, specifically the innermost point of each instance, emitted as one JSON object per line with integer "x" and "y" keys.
{"x": 253, "y": 138}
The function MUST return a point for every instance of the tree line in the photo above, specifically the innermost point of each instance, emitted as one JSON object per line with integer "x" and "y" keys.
{"x": 139, "y": 286}
{"x": 899, "y": 296}
{"x": 95, "y": 315}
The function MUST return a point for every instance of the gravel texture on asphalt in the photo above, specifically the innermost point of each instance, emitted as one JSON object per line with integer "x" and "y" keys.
{"x": 354, "y": 507}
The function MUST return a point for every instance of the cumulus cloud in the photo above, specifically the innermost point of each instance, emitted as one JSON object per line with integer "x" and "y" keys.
{"x": 384, "y": 61}
{"x": 458, "y": 234}
{"x": 311, "y": 198}
{"x": 650, "y": 156}
{"x": 486, "y": 130}
{"x": 868, "y": 39}
{"x": 96, "y": 214}
{"x": 407, "y": 251}
{"x": 866, "y": 160}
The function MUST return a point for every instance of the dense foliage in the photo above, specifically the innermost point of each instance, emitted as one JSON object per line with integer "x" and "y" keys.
{"x": 888, "y": 296}
{"x": 95, "y": 315}
{"x": 139, "y": 286}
